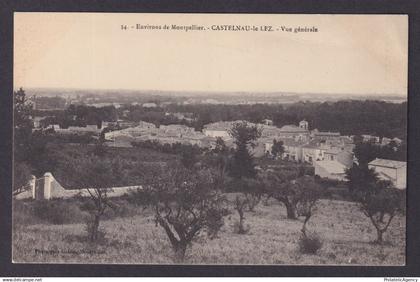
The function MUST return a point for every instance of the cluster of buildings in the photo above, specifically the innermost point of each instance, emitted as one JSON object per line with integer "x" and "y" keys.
{"x": 89, "y": 128}
{"x": 166, "y": 134}
{"x": 330, "y": 153}
{"x": 380, "y": 141}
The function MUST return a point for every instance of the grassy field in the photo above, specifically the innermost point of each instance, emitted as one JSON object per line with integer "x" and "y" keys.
{"x": 346, "y": 234}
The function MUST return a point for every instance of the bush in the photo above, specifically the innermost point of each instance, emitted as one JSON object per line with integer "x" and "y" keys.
{"x": 309, "y": 243}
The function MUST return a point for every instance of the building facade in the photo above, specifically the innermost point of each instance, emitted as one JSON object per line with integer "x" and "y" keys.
{"x": 394, "y": 171}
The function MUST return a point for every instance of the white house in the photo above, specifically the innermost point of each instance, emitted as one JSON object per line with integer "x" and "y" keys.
{"x": 370, "y": 138}
{"x": 149, "y": 105}
{"x": 312, "y": 152}
{"x": 37, "y": 121}
{"x": 394, "y": 171}
{"x": 299, "y": 133}
{"x": 267, "y": 122}
{"x": 219, "y": 129}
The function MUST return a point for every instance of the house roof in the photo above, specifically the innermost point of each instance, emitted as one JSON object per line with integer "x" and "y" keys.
{"x": 292, "y": 128}
{"x": 149, "y": 105}
{"x": 224, "y": 125}
{"x": 291, "y": 142}
{"x": 333, "y": 167}
{"x": 38, "y": 118}
{"x": 388, "y": 163}
{"x": 312, "y": 145}
{"x": 327, "y": 133}
{"x": 333, "y": 150}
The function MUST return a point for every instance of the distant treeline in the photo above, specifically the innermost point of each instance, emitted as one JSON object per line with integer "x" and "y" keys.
{"x": 351, "y": 117}
{"x": 79, "y": 115}
{"x": 156, "y": 115}
{"x": 50, "y": 102}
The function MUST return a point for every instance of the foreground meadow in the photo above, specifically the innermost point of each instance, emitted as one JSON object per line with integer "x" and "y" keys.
{"x": 134, "y": 238}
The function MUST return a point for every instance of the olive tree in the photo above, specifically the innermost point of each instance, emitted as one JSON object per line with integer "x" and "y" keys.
{"x": 310, "y": 193}
{"x": 380, "y": 203}
{"x": 379, "y": 200}
{"x": 282, "y": 187}
{"x": 185, "y": 203}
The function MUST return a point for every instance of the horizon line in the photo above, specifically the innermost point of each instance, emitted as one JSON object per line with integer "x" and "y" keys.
{"x": 212, "y": 92}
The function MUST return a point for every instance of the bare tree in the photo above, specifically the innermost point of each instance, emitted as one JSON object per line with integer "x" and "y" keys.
{"x": 21, "y": 177}
{"x": 101, "y": 202}
{"x": 95, "y": 175}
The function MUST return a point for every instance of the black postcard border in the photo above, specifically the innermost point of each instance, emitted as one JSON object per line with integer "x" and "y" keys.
{"x": 411, "y": 8}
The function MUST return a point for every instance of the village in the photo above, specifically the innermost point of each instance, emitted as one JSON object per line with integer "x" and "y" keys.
{"x": 330, "y": 153}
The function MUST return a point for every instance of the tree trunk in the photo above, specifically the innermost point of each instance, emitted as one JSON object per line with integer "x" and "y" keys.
{"x": 380, "y": 233}
{"x": 241, "y": 227}
{"x": 304, "y": 228}
{"x": 95, "y": 228}
{"x": 381, "y": 217}
{"x": 179, "y": 250}
{"x": 291, "y": 212}
{"x": 265, "y": 202}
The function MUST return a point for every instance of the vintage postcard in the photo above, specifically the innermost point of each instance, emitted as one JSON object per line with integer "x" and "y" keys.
{"x": 246, "y": 139}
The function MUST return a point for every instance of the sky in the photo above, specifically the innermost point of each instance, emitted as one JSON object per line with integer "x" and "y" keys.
{"x": 350, "y": 54}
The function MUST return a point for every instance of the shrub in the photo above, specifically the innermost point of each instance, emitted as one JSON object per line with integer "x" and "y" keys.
{"x": 309, "y": 243}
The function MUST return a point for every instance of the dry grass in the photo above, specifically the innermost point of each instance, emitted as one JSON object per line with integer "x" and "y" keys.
{"x": 346, "y": 234}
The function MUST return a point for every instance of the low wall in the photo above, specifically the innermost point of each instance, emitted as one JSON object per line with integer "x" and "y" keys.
{"x": 47, "y": 187}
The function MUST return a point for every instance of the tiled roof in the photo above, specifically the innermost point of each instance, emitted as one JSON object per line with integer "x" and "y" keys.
{"x": 327, "y": 133}
{"x": 387, "y": 163}
{"x": 311, "y": 145}
{"x": 222, "y": 125}
{"x": 291, "y": 142}
{"x": 333, "y": 150}
{"x": 292, "y": 128}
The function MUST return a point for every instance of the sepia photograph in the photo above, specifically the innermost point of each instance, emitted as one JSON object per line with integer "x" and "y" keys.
{"x": 209, "y": 139}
